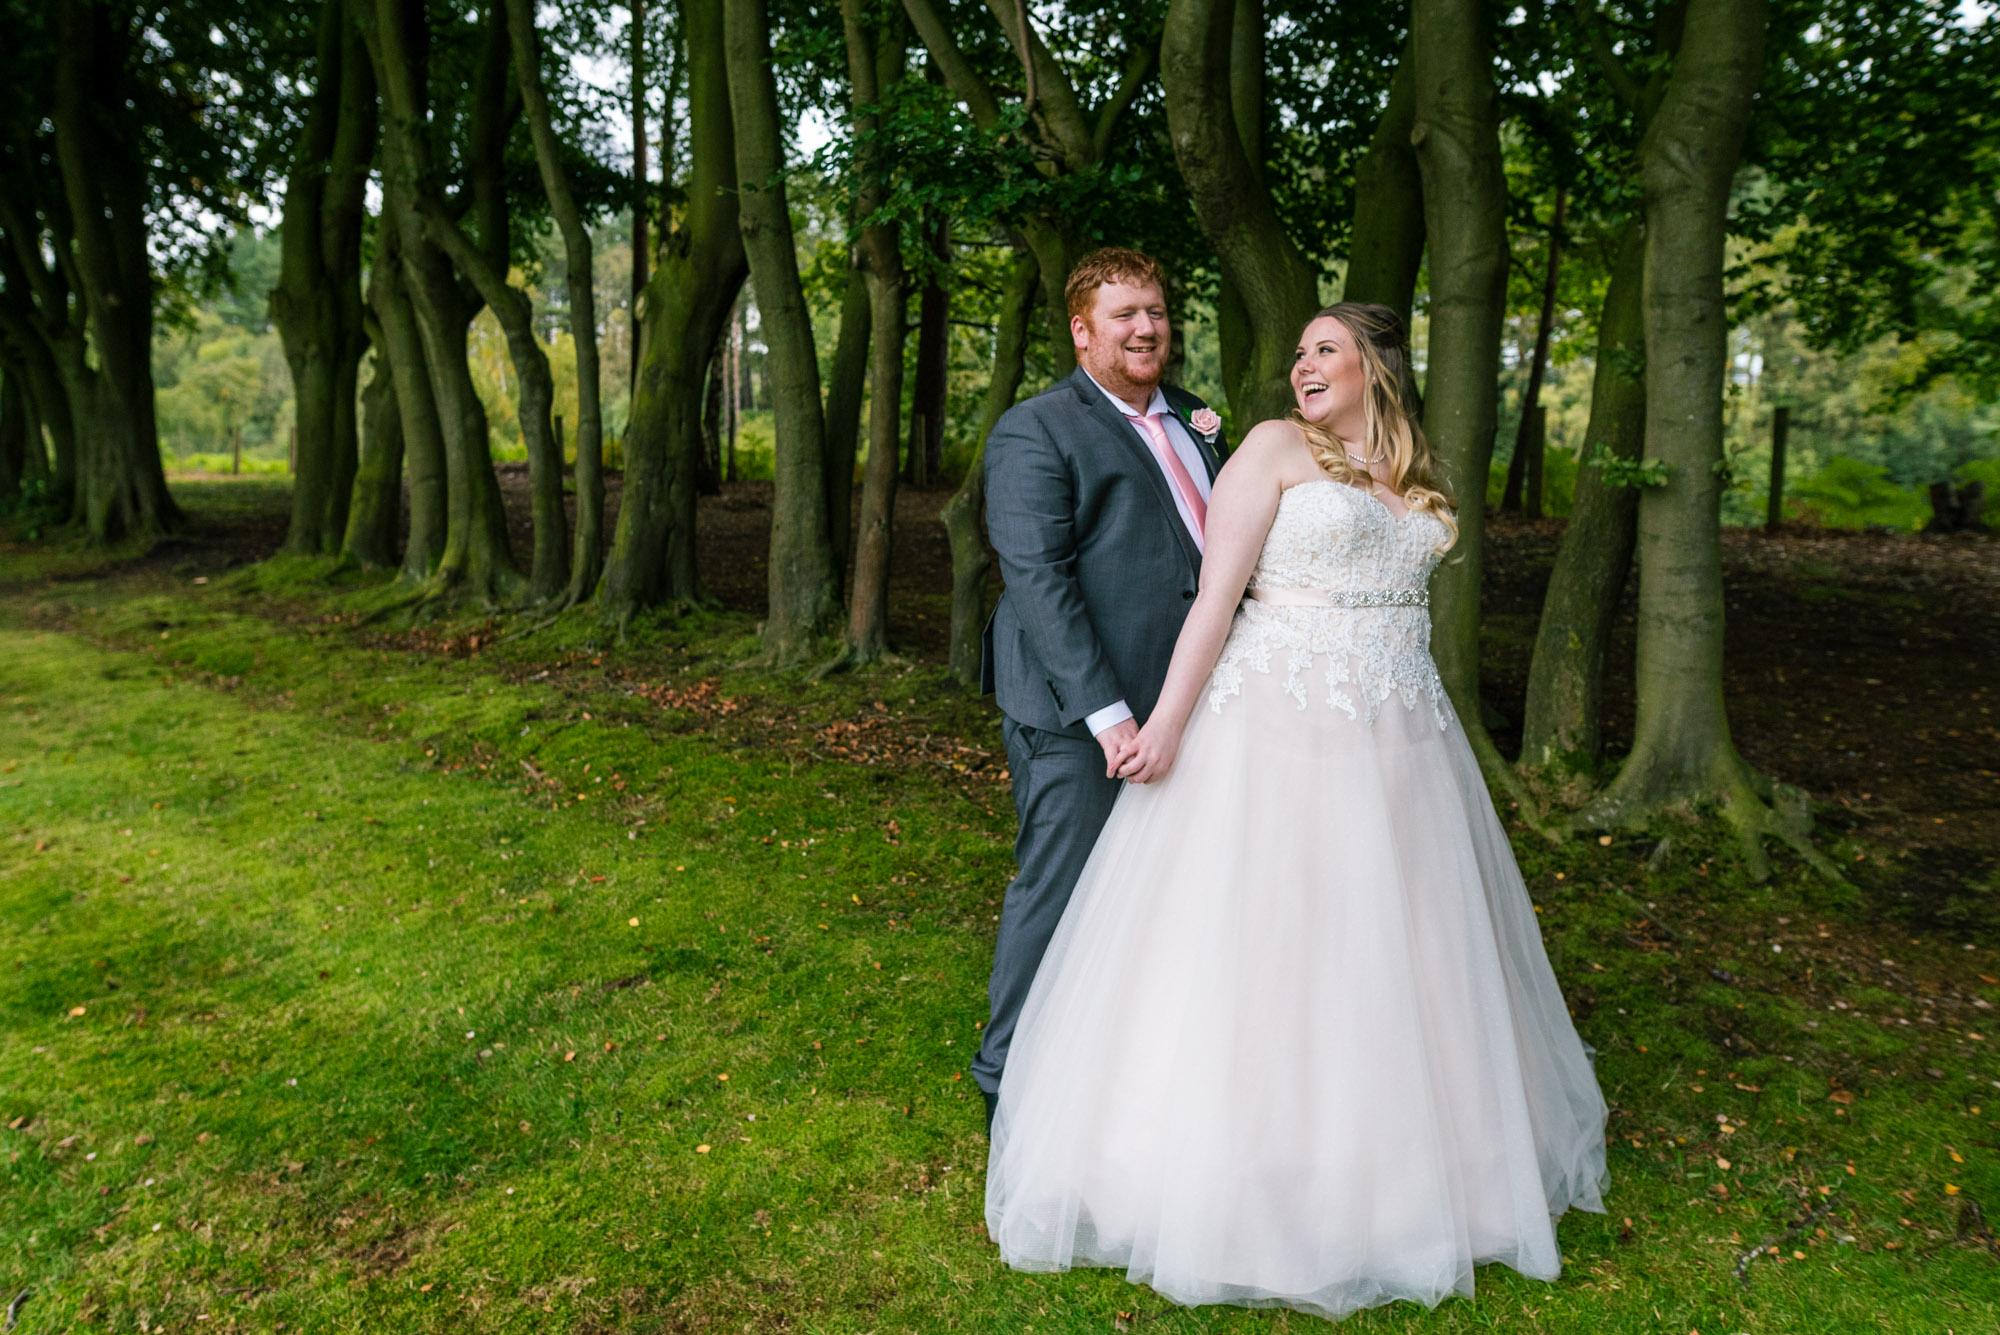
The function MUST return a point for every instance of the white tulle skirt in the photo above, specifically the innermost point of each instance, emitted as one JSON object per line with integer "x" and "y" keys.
{"x": 1296, "y": 1042}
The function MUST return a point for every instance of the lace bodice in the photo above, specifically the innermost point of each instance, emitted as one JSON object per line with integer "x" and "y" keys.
{"x": 1373, "y": 567}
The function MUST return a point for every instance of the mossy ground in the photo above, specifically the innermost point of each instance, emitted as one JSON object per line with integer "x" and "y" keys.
{"x": 358, "y": 977}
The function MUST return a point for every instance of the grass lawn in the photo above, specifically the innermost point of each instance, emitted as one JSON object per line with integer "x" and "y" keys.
{"x": 358, "y": 977}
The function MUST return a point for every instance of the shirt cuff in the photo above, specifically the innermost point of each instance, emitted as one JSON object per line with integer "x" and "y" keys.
{"x": 1108, "y": 717}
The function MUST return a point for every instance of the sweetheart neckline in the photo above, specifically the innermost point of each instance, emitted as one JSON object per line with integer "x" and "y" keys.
{"x": 1394, "y": 518}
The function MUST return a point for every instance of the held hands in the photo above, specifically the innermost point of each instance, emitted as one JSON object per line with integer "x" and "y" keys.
{"x": 1116, "y": 741}
{"x": 1149, "y": 755}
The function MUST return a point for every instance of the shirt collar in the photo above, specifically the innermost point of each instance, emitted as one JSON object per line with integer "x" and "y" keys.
{"x": 1157, "y": 404}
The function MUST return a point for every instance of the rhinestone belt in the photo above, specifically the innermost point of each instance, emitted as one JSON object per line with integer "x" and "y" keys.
{"x": 1343, "y": 597}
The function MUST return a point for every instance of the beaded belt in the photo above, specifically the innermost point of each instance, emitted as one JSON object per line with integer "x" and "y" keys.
{"x": 1343, "y": 597}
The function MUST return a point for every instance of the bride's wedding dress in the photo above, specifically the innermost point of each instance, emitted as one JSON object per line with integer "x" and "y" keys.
{"x": 1296, "y": 1041}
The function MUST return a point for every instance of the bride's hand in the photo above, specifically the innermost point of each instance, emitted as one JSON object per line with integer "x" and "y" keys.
{"x": 1150, "y": 755}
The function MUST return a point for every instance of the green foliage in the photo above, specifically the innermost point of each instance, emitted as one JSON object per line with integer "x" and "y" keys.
{"x": 1622, "y": 472}
{"x": 1846, "y": 493}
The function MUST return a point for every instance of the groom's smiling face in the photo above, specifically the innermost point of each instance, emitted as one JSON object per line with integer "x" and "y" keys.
{"x": 1124, "y": 338}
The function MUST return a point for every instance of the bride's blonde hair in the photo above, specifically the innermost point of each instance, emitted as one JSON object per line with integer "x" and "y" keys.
{"x": 1389, "y": 412}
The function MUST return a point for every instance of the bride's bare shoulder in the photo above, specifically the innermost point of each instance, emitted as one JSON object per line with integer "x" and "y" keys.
{"x": 1276, "y": 450}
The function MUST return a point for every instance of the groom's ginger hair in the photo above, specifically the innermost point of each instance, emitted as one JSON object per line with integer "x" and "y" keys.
{"x": 1112, "y": 264}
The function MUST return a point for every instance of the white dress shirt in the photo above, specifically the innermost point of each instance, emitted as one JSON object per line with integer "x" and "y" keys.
{"x": 1190, "y": 456}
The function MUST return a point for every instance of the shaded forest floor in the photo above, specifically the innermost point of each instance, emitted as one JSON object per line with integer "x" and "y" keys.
{"x": 362, "y": 976}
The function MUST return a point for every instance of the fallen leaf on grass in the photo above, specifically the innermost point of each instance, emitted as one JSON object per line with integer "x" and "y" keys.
{"x": 701, "y": 1149}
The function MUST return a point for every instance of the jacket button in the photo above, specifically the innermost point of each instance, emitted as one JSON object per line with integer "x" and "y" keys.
{"x": 1187, "y": 595}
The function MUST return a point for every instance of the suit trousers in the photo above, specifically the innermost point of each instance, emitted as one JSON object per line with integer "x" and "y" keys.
{"x": 1063, "y": 800}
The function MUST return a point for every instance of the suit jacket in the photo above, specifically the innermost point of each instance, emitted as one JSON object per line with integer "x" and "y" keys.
{"x": 1100, "y": 570}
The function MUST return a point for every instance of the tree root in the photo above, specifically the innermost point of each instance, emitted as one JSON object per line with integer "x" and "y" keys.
{"x": 1755, "y": 806}
{"x": 1493, "y": 767}
{"x": 850, "y": 659}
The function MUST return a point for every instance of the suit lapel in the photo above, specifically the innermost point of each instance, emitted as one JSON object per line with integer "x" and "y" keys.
{"x": 1184, "y": 404}
{"x": 1098, "y": 407}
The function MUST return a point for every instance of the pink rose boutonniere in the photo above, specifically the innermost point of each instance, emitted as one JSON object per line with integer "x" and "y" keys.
{"x": 1206, "y": 421}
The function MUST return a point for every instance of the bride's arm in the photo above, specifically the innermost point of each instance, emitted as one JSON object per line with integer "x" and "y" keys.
{"x": 1240, "y": 511}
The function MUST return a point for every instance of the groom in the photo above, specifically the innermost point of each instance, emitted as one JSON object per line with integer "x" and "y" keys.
{"x": 1096, "y": 494}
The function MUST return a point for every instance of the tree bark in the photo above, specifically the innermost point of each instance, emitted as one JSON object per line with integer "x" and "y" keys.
{"x": 1562, "y": 729}
{"x": 804, "y": 603}
{"x": 587, "y": 562}
{"x": 641, "y": 205}
{"x": 970, "y": 559}
{"x": 1682, "y": 754}
{"x": 374, "y": 517}
{"x": 34, "y": 348}
{"x": 1774, "y": 496}
{"x": 1457, "y": 139}
{"x": 121, "y": 484}
{"x": 873, "y": 60}
{"x": 715, "y": 419}
{"x": 1528, "y": 437}
{"x": 422, "y": 437}
{"x": 475, "y": 558}
{"x": 317, "y": 304}
{"x": 1387, "y": 246}
{"x": 845, "y": 388}
{"x": 14, "y": 414}
{"x": 1262, "y": 266}
{"x": 689, "y": 302}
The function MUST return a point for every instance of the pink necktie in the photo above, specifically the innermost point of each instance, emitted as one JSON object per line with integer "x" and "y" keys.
{"x": 1177, "y": 471}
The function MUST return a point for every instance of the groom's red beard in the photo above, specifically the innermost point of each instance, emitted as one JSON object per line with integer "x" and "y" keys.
{"x": 1125, "y": 370}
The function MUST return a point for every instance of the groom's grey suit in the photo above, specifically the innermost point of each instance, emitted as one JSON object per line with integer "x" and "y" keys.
{"x": 1100, "y": 572}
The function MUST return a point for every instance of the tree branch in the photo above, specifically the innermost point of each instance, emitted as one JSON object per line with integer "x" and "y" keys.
{"x": 1049, "y": 86}
{"x": 1137, "y": 67}
{"x": 1628, "y": 89}
{"x": 958, "y": 71}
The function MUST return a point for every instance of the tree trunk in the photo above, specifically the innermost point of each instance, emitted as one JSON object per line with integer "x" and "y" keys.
{"x": 535, "y": 399}
{"x": 475, "y": 558}
{"x": 845, "y": 389}
{"x": 714, "y": 421}
{"x": 121, "y": 484}
{"x": 13, "y": 436}
{"x": 587, "y": 562}
{"x": 803, "y": 600}
{"x": 317, "y": 303}
{"x": 641, "y": 205}
{"x": 689, "y": 301}
{"x": 1774, "y": 498}
{"x": 872, "y": 62}
{"x": 1527, "y": 438}
{"x": 970, "y": 559}
{"x": 1562, "y": 729}
{"x": 374, "y": 518}
{"x": 1457, "y": 138}
{"x": 41, "y": 377}
{"x": 924, "y": 457}
{"x": 1262, "y": 267}
{"x": 422, "y": 438}
{"x": 1682, "y": 754}
{"x": 1387, "y": 247}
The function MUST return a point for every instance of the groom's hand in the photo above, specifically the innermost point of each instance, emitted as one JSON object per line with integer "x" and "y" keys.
{"x": 1117, "y": 742}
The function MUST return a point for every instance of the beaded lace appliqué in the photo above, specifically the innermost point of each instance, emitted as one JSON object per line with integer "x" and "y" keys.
{"x": 1337, "y": 540}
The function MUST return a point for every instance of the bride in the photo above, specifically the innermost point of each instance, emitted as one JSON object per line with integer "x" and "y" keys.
{"x": 1296, "y": 1042}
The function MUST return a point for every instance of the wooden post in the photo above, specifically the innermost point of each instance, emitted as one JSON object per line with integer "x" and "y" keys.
{"x": 292, "y": 462}
{"x": 1774, "y": 504}
{"x": 557, "y": 423}
{"x": 236, "y": 462}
